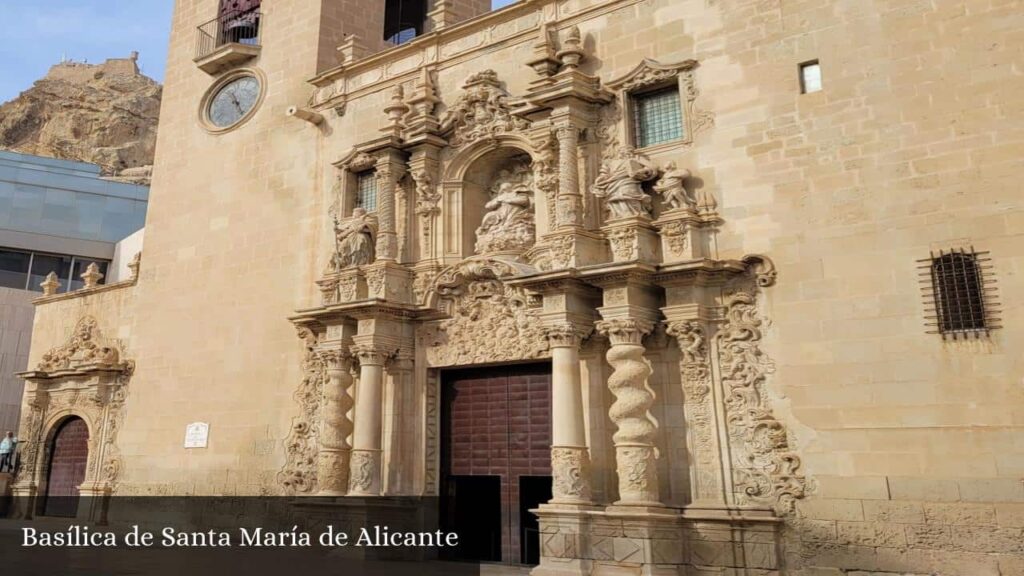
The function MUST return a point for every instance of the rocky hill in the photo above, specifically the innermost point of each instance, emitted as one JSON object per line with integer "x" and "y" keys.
{"x": 101, "y": 113}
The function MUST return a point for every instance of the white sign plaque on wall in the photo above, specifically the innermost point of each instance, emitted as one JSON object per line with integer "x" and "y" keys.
{"x": 196, "y": 434}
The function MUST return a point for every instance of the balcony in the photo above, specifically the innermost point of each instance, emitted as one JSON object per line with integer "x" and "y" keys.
{"x": 228, "y": 40}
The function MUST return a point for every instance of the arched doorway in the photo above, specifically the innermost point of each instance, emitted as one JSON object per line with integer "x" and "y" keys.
{"x": 69, "y": 455}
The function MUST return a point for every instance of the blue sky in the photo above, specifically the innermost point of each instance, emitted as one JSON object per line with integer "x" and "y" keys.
{"x": 35, "y": 34}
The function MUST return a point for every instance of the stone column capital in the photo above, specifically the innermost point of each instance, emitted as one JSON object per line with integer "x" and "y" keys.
{"x": 371, "y": 354}
{"x": 567, "y": 334}
{"x": 625, "y": 330}
{"x": 334, "y": 359}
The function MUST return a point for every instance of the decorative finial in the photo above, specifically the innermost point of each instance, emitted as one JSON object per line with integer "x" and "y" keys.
{"x": 572, "y": 52}
{"x": 50, "y": 285}
{"x": 397, "y": 108}
{"x": 134, "y": 265}
{"x": 92, "y": 276}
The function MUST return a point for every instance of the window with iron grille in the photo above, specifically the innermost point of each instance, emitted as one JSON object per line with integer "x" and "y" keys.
{"x": 366, "y": 190}
{"x": 657, "y": 117}
{"x": 960, "y": 298}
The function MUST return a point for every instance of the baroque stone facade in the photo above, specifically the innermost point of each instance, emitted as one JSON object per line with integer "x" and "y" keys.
{"x": 741, "y": 380}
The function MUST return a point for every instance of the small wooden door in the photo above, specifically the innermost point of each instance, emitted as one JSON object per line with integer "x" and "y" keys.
{"x": 69, "y": 455}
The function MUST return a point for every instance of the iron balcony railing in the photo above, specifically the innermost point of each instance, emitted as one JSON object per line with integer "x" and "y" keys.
{"x": 231, "y": 27}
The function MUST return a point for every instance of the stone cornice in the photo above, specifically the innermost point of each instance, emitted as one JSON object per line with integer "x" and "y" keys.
{"x": 86, "y": 292}
{"x": 431, "y": 45}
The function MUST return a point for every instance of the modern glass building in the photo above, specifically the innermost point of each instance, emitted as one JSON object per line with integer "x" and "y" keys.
{"x": 55, "y": 216}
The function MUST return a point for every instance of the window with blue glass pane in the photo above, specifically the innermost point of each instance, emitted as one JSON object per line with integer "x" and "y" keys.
{"x": 657, "y": 117}
{"x": 366, "y": 190}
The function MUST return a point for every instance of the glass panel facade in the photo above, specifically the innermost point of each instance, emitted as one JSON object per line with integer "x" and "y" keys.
{"x": 27, "y": 270}
{"x": 658, "y": 117}
{"x": 14, "y": 268}
{"x": 43, "y": 264}
{"x": 366, "y": 190}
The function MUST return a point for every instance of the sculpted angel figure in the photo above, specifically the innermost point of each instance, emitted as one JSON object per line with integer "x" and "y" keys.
{"x": 353, "y": 240}
{"x": 509, "y": 223}
{"x": 670, "y": 186}
{"x": 619, "y": 183}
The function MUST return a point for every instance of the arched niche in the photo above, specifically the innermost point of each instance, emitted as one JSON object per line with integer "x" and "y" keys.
{"x": 471, "y": 179}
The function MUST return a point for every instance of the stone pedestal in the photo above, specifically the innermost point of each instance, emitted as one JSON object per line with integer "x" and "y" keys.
{"x": 632, "y": 239}
{"x": 387, "y": 280}
{"x": 572, "y": 248}
{"x": 681, "y": 235}
{"x": 341, "y": 287}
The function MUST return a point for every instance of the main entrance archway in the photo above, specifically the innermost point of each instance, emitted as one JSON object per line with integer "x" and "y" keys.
{"x": 69, "y": 455}
{"x": 496, "y": 460}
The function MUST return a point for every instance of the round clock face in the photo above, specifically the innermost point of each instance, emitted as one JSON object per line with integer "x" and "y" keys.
{"x": 233, "y": 101}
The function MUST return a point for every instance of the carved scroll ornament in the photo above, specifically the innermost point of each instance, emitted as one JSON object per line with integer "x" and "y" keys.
{"x": 765, "y": 469}
{"x": 489, "y": 321}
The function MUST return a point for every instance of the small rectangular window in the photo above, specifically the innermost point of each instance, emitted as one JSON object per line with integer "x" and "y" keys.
{"x": 810, "y": 77}
{"x": 14, "y": 269}
{"x": 961, "y": 300}
{"x": 366, "y": 190}
{"x": 657, "y": 117}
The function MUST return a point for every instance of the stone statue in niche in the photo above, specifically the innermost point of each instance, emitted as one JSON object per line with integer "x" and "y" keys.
{"x": 353, "y": 240}
{"x": 670, "y": 186}
{"x": 620, "y": 184}
{"x": 509, "y": 222}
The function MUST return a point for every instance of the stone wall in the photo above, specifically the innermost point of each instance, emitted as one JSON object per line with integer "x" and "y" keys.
{"x": 16, "y": 313}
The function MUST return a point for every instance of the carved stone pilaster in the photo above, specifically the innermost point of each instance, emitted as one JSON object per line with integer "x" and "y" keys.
{"x": 335, "y": 426}
{"x": 387, "y": 236}
{"x": 569, "y": 205}
{"x": 695, "y": 370}
{"x": 635, "y": 454}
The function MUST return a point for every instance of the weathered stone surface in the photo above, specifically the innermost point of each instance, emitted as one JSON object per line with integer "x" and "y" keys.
{"x": 105, "y": 114}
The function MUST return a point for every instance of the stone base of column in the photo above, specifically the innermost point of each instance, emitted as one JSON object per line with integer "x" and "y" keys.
{"x": 332, "y": 471}
{"x": 364, "y": 473}
{"x": 570, "y": 470}
{"x": 637, "y": 469}
{"x": 656, "y": 541}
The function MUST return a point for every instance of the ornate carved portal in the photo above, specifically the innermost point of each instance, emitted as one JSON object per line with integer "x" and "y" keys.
{"x": 507, "y": 231}
{"x": 87, "y": 378}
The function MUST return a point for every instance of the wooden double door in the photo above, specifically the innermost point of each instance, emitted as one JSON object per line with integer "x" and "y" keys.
{"x": 496, "y": 460}
{"x": 69, "y": 455}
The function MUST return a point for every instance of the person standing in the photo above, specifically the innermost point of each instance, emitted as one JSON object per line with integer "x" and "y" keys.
{"x": 7, "y": 446}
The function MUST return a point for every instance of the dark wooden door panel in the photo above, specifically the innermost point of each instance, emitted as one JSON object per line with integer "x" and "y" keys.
{"x": 497, "y": 423}
{"x": 68, "y": 458}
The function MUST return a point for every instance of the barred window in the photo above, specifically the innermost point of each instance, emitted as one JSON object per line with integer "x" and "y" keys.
{"x": 657, "y": 117}
{"x": 961, "y": 300}
{"x": 366, "y": 190}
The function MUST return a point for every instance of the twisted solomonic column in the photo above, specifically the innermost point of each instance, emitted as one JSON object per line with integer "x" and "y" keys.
{"x": 365, "y": 466}
{"x": 335, "y": 426}
{"x": 570, "y": 461}
{"x": 635, "y": 453}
